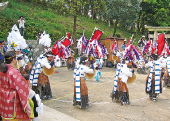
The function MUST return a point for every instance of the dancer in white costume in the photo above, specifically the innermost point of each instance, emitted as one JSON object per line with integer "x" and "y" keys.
{"x": 80, "y": 87}
{"x": 153, "y": 80}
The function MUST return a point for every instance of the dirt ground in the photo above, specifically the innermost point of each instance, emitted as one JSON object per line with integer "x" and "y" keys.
{"x": 101, "y": 107}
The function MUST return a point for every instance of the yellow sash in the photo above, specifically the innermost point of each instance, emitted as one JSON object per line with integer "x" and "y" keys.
{"x": 2, "y": 51}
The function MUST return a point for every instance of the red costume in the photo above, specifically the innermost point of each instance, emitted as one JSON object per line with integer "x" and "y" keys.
{"x": 14, "y": 95}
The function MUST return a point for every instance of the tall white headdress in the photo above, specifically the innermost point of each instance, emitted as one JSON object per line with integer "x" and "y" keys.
{"x": 15, "y": 37}
{"x": 45, "y": 40}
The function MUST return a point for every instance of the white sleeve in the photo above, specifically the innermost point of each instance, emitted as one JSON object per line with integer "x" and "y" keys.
{"x": 87, "y": 70}
{"x": 163, "y": 65}
{"x": 126, "y": 71}
{"x": 95, "y": 65}
{"x": 23, "y": 63}
{"x": 45, "y": 63}
{"x": 147, "y": 65}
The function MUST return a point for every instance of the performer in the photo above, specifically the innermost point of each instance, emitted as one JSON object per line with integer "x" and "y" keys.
{"x": 119, "y": 63}
{"x": 40, "y": 81}
{"x": 16, "y": 43}
{"x": 77, "y": 64}
{"x": 105, "y": 56}
{"x": 114, "y": 57}
{"x": 163, "y": 62}
{"x": 141, "y": 67}
{"x": 80, "y": 87}
{"x": 101, "y": 65}
{"x": 167, "y": 73}
{"x": 28, "y": 65}
{"x": 21, "y": 61}
{"x": 141, "y": 42}
{"x": 120, "y": 91}
{"x": 70, "y": 61}
{"x": 57, "y": 61}
{"x": 97, "y": 66}
{"x": 91, "y": 61}
{"x": 153, "y": 80}
{"x": 123, "y": 46}
{"x": 14, "y": 101}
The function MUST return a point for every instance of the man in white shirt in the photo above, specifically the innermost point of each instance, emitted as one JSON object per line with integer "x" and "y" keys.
{"x": 21, "y": 22}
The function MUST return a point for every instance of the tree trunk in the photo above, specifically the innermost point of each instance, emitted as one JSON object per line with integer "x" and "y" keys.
{"x": 115, "y": 28}
{"x": 74, "y": 34}
{"x": 43, "y": 2}
{"x": 86, "y": 12}
{"x": 94, "y": 15}
{"x": 109, "y": 21}
{"x": 142, "y": 25}
{"x": 138, "y": 27}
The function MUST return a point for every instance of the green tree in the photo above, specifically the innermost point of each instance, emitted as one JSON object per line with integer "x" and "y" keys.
{"x": 80, "y": 7}
{"x": 74, "y": 7}
{"x": 97, "y": 7}
{"x": 154, "y": 13}
{"x": 85, "y": 7}
{"x": 123, "y": 12}
{"x": 60, "y": 7}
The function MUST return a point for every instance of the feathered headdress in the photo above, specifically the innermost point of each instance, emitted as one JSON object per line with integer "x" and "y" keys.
{"x": 62, "y": 47}
{"x": 45, "y": 40}
{"x": 159, "y": 47}
{"x": 14, "y": 38}
{"x": 67, "y": 41}
{"x": 132, "y": 52}
{"x": 82, "y": 43}
{"x": 96, "y": 34}
{"x": 165, "y": 51}
{"x": 147, "y": 46}
{"x": 114, "y": 46}
{"x": 92, "y": 46}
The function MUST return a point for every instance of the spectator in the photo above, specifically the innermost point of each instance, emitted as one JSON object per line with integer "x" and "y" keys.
{"x": 124, "y": 44}
{"x": 3, "y": 49}
{"x": 105, "y": 56}
{"x": 14, "y": 101}
{"x": 25, "y": 51}
{"x": 21, "y": 22}
{"x": 38, "y": 36}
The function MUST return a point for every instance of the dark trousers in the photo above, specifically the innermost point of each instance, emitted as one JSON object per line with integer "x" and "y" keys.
{"x": 22, "y": 31}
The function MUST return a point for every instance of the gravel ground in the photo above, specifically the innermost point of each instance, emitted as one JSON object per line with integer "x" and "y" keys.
{"x": 101, "y": 107}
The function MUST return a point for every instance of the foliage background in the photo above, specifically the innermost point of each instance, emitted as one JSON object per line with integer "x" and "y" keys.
{"x": 56, "y": 17}
{"x": 40, "y": 18}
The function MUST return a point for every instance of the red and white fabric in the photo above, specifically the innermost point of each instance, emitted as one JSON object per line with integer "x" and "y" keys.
{"x": 14, "y": 95}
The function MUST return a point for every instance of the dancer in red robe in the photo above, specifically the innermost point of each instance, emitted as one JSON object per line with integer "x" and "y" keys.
{"x": 14, "y": 91}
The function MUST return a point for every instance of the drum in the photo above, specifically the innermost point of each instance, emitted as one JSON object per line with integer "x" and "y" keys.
{"x": 90, "y": 76}
{"x": 131, "y": 79}
{"x": 48, "y": 72}
{"x": 114, "y": 57}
